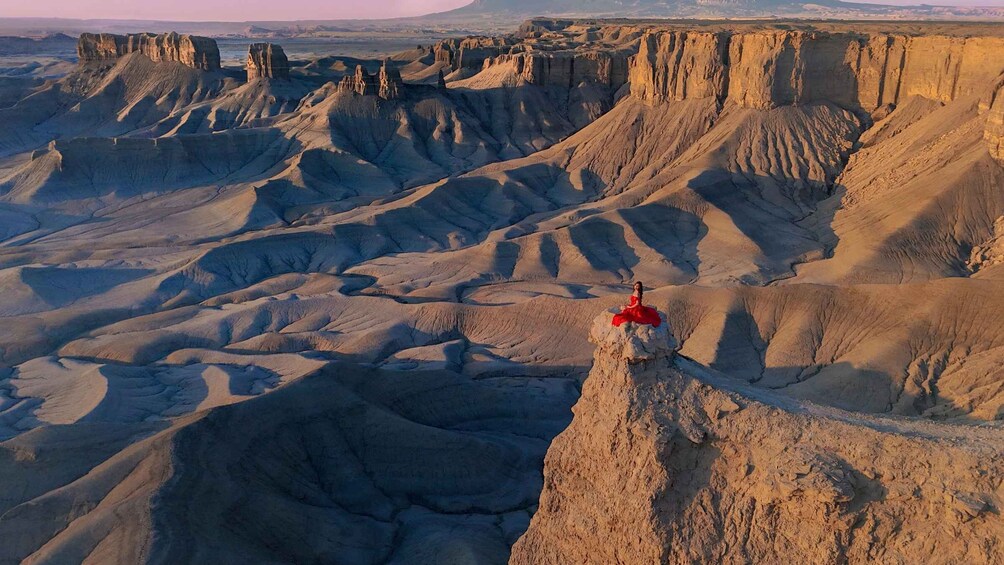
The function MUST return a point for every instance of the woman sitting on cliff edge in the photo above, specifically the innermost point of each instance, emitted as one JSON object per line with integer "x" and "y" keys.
{"x": 637, "y": 312}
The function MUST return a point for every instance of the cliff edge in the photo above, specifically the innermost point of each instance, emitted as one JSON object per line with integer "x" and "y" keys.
{"x": 770, "y": 68}
{"x": 668, "y": 462}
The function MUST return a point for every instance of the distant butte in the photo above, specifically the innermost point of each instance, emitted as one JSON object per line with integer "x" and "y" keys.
{"x": 190, "y": 50}
{"x": 386, "y": 84}
{"x": 267, "y": 60}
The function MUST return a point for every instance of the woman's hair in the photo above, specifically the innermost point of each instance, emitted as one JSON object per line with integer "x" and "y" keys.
{"x": 640, "y": 288}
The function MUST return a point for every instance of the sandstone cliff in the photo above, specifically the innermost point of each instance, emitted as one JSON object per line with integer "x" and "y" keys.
{"x": 870, "y": 71}
{"x": 567, "y": 69}
{"x": 386, "y": 84}
{"x": 667, "y": 462}
{"x": 994, "y": 132}
{"x": 267, "y": 60}
{"x": 679, "y": 65}
{"x": 766, "y": 69}
{"x": 193, "y": 51}
{"x": 471, "y": 52}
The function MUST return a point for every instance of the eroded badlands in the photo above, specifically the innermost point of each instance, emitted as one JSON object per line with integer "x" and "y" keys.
{"x": 337, "y": 309}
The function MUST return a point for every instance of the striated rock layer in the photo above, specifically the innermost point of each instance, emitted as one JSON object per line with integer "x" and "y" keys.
{"x": 267, "y": 60}
{"x": 766, "y": 69}
{"x": 567, "y": 69}
{"x": 662, "y": 464}
{"x": 994, "y": 132}
{"x": 471, "y": 52}
{"x": 871, "y": 70}
{"x": 191, "y": 50}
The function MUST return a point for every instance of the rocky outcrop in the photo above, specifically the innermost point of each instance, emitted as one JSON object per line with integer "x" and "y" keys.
{"x": 360, "y": 82}
{"x": 994, "y": 132}
{"x": 567, "y": 69}
{"x": 386, "y": 84}
{"x": 193, "y": 51}
{"x": 991, "y": 252}
{"x": 869, "y": 71}
{"x": 444, "y": 52}
{"x": 389, "y": 83}
{"x": 267, "y": 60}
{"x": 679, "y": 65}
{"x": 765, "y": 69}
{"x": 539, "y": 26}
{"x": 471, "y": 52}
{"x": 668, "y": 462}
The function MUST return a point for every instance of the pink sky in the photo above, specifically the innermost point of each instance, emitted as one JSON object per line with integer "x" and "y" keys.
{"x": 224, "y": 10}
{"x": 285, "y": 10}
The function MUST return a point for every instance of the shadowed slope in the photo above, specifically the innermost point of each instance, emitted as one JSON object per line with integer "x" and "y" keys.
{"x": 125, "y": 96}
{"x": 309, "y": 459}
{"x": 913, "y": 202}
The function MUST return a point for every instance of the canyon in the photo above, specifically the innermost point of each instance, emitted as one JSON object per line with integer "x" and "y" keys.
{"x": 358, "y": 309}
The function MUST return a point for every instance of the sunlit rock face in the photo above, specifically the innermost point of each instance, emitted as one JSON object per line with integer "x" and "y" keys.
{"x": 471, "y": 52}
{"x": 568, "y": 69}
{"x": 190, "y": 50}
{"x": 994, "y": 133}
{"x": 767, "y": 69}
{"x": 267, "y": 60}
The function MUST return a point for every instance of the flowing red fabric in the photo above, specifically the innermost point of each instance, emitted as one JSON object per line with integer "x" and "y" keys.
{"x": 638, "y": 313}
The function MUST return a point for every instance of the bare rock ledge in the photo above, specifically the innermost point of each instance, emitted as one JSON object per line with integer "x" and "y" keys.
{"x": 666, "y": 461}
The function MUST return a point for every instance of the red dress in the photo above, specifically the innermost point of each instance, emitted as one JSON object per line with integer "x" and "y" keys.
{"x": 638, "y": 313}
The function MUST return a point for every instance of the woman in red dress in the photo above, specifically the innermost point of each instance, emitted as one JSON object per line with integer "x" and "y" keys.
{"x": 636, "y": 311}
